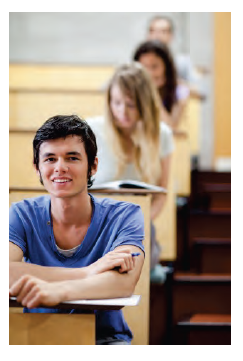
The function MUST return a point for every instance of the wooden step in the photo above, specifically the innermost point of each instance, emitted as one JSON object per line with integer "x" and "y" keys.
{"x": 200, "y": 293}
{"x": 210, "y": 224}
{"x": 206, "y": 320}
{"x": 216, "y": 195}
{"x": 158, "y": 316}
{"x": 204, "y": 329}
{"x": 182, "y": 277}
{"x": 211, "y": 255}
{"x": 209, "y": 176}
{"x": 210, "y": 190}
{"x": 205, "y": 224}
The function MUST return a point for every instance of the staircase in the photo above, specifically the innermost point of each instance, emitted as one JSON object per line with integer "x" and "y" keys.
{"x": 193, "y": 307}
{"x": 201, "y": 291}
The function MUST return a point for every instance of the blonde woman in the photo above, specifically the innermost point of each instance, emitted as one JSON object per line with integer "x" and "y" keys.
{"x": 132, "y": 141}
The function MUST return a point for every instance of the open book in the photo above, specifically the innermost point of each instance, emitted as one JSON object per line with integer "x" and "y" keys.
{"x": 128, "y": 183}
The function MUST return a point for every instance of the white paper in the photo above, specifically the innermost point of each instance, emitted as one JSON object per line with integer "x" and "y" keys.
{"x": 124, "y": 301}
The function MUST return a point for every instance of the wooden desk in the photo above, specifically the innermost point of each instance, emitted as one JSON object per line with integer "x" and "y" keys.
{"x": 61, "y": 329}
{"x": 191, "y": 123}
{"x": 182, "y": 168}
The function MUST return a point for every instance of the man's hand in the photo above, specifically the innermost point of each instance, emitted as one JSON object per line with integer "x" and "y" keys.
{"x": 32, "y": 292}
{"x": 121, "y": 259}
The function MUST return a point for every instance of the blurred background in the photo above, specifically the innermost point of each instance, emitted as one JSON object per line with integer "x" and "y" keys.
{"x": 60, "y": 63}
{"x": 110, "y": 39}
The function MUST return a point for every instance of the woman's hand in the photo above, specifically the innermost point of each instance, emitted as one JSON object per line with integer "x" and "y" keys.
{"x": 120, "y": 259}
{"x": 32, "y": 292}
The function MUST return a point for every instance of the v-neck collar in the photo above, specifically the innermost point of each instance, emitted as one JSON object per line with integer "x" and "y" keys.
{"x": 87, "y": 242}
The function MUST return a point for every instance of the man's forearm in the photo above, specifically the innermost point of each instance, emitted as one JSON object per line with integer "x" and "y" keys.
{"x": 50, "y": 274}
{"x": 110, "y": 284}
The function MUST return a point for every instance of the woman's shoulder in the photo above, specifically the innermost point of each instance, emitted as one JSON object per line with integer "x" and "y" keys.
{"x": 96, "y": 122}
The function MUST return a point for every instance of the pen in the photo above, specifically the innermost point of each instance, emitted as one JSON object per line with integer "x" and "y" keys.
{"x": 135, "y": 254}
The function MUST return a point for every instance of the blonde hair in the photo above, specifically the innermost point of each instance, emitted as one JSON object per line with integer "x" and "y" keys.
{"x": 134, "y": 81}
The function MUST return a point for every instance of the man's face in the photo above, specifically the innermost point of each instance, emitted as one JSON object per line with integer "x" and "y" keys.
{"x": 63, "y": 166}
{"x": 160, "y": 30}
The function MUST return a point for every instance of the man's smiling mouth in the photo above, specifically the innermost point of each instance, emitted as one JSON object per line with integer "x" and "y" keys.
{"x": 61, "y": 180}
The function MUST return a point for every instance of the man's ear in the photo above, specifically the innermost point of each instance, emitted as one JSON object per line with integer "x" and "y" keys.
{"x": 94, "y": 167}
{"x": 37, "y": 170}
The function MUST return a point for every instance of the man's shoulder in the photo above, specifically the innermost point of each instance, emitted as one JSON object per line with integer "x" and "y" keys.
{"x": 33, "y": 202}
{"x": 112, "y": 204}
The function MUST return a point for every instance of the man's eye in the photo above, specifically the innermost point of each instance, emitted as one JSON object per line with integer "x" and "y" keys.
{"x": 73, "y": 158}
{"x": 49, "y": 160}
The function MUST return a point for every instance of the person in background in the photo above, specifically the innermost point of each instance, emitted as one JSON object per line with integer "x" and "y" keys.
{"x": 75, "y": 246}
{"x": 133, "y": 143}
{"x": 161, "y": 28}
{"x": 157, "y": 59}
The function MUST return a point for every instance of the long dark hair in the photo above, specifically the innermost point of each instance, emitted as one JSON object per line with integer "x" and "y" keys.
{"x": 168, "y": 91}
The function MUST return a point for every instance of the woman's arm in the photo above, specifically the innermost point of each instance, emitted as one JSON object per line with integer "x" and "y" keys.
{"x": 174, "y": 117}
{"x": 33, "y": 292}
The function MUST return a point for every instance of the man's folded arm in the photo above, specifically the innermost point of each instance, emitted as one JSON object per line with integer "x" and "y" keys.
{"x": 33, "y": 292}
{"x": 18, "y": 268}
{"x": 110, "y": 284}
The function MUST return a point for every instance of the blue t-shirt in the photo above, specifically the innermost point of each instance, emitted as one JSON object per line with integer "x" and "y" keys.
{"x": 112, "y": 224}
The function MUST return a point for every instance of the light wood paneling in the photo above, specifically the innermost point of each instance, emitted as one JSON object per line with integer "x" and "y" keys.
{"x": 222, "y": 85}
{"x": 58, "y": 78}
{"x": 190, "y": 123}
{"x": 51, "y": 329}
{"x": 182, "y": 167}
{"x": 31, "y": 110}
{"x": 165, "y": 222}
{"x": 21, "y": 170}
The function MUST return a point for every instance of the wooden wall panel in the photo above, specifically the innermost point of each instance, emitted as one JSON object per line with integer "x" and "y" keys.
{"x": 222, "y": 90}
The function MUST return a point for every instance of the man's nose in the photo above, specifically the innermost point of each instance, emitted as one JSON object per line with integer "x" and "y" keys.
{"x": 61, "y": 166}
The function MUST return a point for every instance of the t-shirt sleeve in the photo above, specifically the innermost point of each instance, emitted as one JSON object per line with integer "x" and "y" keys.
{"x": 17, "y": 234}
{"x": 182, "y": 92}
{"x": 166, "y": 140}
{"x": 131, "y": 231}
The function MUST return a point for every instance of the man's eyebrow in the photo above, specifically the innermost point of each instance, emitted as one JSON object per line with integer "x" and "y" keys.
{"x": 74, "y": 153}
{"x": 45, "y": 155}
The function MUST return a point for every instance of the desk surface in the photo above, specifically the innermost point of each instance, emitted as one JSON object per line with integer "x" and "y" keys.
{"x": 103, "y": 304}
{"x": 121, "y": 191}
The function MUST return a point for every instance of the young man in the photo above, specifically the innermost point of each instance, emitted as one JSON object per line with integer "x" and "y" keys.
{"x": 75, "y": 246}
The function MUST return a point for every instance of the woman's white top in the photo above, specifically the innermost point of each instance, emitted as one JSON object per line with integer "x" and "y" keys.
{"x": 107, "y": 162}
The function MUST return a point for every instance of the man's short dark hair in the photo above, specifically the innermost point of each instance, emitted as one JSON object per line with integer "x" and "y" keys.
{"x": 61, "y": 126}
